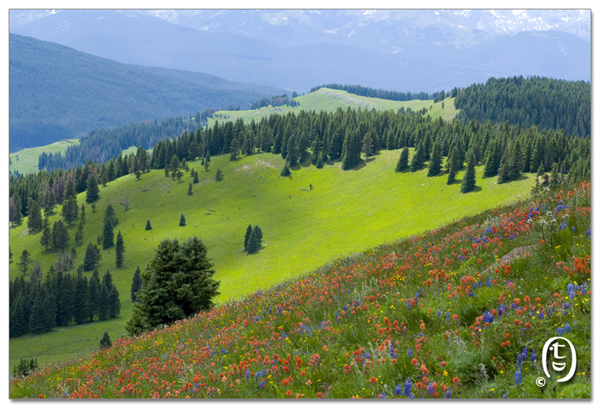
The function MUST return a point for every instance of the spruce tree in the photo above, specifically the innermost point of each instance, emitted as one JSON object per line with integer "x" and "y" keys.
{"x": 285, "y": 172}
{"x": 182, "y": 221}
{"x": 234, "y": 149}
{"x": 190, "y": 189}
{"x": 60, "y": 236}
{"x": 418, "y": 159}
{"x": 94, "y": 294}
{"x": 46, "y": 238}
{"x": 196, "y": 179}
{"x": 453, "y": 166}
{"x": 247, "y": 237}
{"x": 515, "y": 162}
{"x": 91, "y": 257}
{"x": 108, "y": 236}
{"x": 148, "y": 225}
{"x": 37, "y": 322}
{"x": 24, "y": 262}
{"x": 177, "y": 284}
{"x": 435, "y": 161}
{"x": 79, "y": 234}
{"x": 49, "y": 310}
{"x": 18, "y": 325}
{"x": 468, "y": 181}
{"x": 109, "y": 214}
{"x": 367, "y": 145}
{"x": 82, "y": 300}
{"x": 255, "y": 240}
{"x": 93, "y": 191}
{"x": 136, "y": 284}
{"x": 105, "y": 342}
{"x": 402, "y": 160}
{"x": 65, "y": 302}
{"x": 540, "y": 170}
{"x": 34, "y": 221}
{"x": 120, "y": 250}
{"x": 219, "y": 175}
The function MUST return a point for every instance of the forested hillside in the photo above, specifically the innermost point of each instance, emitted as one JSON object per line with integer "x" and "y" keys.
{"x": 58, "y": 93}
{"x": 544, "y": 102}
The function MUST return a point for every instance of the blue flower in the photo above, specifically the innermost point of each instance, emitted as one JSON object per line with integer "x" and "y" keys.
{"x": 541, "y": 315}
{"x": 398, "y": 390}
{"x": 567, "y": 328}
{"x": 560, "y": 331}
{"x": 262, "y": 384}
{"x": 518, "y": 378}
{"x": 382, "y": 395}
{"x": 448, "y": 394}
{"x": 407, "y": 386}
{"x": 409, "y": 353}
{"x": 533, "y": 356}
{"x": 247, "y": 373}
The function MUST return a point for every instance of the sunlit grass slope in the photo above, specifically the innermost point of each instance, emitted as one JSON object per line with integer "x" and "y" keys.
{"x": 26, "y": 160}
{"x": 329, "y": 100}
{"x": 345, "y": 212}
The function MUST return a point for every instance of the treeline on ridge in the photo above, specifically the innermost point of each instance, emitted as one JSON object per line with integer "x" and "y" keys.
{"x": 103, "y": 144}
{"x": 378, "y": 93}
{"x": 325, "y": 137}
{"x": 544, "y": 102}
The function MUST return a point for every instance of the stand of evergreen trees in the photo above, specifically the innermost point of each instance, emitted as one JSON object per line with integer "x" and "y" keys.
{"x": 534, "y": 101}
{"x": 377, "y": 93}
{"x": 321, "y": 137}
{"x": 38, "y": 305}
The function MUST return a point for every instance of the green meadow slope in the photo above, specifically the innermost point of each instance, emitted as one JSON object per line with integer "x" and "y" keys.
{"x": 325, "y": 99}
{"x": 26, "y": 161}
{"x": 345, "y": 212}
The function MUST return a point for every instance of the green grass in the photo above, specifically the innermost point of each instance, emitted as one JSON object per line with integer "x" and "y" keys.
{"x": 329, "y": 100}
{"x": 26, "y": 161}
{"x": 346, "y": 212}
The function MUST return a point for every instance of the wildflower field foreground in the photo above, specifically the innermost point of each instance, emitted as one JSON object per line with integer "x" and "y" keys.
{"x": 462, "y": 311}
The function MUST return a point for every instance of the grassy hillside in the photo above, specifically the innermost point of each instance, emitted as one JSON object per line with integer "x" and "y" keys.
{"x": 26, "y": 160}
{"x": 345, "y": 212}
{"x": 331, "y": 99}
{"x": 461, "y": 311}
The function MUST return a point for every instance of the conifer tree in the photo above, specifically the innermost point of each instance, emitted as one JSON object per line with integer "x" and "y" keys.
{"x": 82, "y": 218}
{"x": 79, "y": 234}
{"x": 60, "y": 236}
{"x": 148, "y": 225}
{"x": 49, "y": 310}
{"x": 108, "y": 236}
{"x": 92, "y": 191}
{"x": 453, "y": 166}
{"x": 70, "y": 211}
{"x": 91, "y": 257}
{"x": 18, "y": 325}
{"x": 37, "y": 322}
{"x": 247, "y": 237}
{"x": 34, "y": 221}
{"x": 196, "y": 179}
{"x": 109, "y": 214}
{"x": 255, "y": 240}
{"x": 82, "y": 300}
{"x": 65, "y": 302}
{"x": 219, "y": 175}
{"x": 435, "y": 162}
{"x": 285, "y": 172}
{"x": 182, "y": 221}
{"x": 136, "y": 284}
{"x": 234, "y": 149}
{"x": 514, "y": 163}
{"x": 468, "y": 182}
{"x": 367, "y": 145}
{"x": 105, "y": 342}
{"x": 46, "y": 238}
{"x": 94, "y": 290}
{"x": 190, "y": 192}
{"x": 177, "y": 284}
{"x": 24, "y": 262}
{"x": 418, "y": 159}
{"x": 402, "y": 160}
{"x": 120, "y": 250}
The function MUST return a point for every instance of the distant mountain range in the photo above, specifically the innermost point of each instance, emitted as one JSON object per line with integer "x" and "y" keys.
{"x": 57, "y": 92}
{"x": 403, "y": 50}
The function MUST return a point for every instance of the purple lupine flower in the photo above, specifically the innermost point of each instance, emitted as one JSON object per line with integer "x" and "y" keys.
{"x": 560, "y": 331}
{"x": 448, "y": 393}
{"x": 567, "y": 328}
{"x": 407, "y": 386}
{"x": 398, "y": 390}
{"x": 518, "y": 378}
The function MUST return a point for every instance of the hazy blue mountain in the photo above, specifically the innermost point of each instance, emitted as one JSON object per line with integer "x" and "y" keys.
{"x": 57, "y": 92}
{"x": 404, "y": 50}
